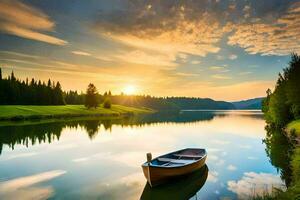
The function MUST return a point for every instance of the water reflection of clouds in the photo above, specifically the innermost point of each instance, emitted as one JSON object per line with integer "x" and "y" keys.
{"x": 107, "y": 165}
{"x": 25, "y": 187}
{"x": 212, "y": 176}
{"x": 93, "y": 156}
{"x": 252, "y": 158}
{"x": 220, "y": 162}
{"x": 255, "y": 184}
{"x": 221, "y": 142}
{"x": 231, "y": 167}
{"x": 245, "y": 146}
{"x": 18, "y": 155}
{"x": 126, "y": 188}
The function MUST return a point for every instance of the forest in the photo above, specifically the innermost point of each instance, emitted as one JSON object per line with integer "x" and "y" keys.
{"x": 14, "y": 91}
{"x": 283, "y": 104}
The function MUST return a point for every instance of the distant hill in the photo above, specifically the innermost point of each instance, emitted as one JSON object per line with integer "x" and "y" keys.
{"x": 248, "y": 104}
{"x": 188, "y": 103}
{"x": 172, "y": 103}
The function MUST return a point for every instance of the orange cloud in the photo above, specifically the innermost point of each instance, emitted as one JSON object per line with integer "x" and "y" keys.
{"x": 278, "y": 38}
{"x": 17, "y": 18}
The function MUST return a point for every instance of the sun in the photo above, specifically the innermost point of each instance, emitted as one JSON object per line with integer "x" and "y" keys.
{"x": 129, "y": 90}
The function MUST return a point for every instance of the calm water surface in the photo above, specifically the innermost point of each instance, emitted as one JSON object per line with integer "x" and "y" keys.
{"x": 100, "y": 159}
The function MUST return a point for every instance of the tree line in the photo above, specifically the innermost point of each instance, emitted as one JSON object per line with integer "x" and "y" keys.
{"x": 14, "y": 91}
{"x": 283, "y": 104}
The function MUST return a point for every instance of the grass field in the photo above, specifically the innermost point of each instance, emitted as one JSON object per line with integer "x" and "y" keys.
{"x": 294, "y": 125}
{"x": 16, "y": 112}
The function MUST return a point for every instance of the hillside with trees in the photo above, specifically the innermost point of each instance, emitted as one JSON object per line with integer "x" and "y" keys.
{"x": 249, "y": 104}
{"x": 283, "y": 104}
{"x": 280, "y": 107}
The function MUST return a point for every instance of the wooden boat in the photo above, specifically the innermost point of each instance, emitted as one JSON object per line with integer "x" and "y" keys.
{"x": 181, "y": 188}
{"x": 172, "y": 165}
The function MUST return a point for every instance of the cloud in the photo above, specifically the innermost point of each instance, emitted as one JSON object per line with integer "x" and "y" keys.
{"x": 196, "y": 27}
{"x": 233, "y": 57}
{"x": 81, "y": 53}
{"x": 219, "y": 76}
{"x": 20, "y": 19}
{"x": 245, "y": 73}
{"x": 182, "y": 74}
{"x": 165, "y": 27}
{"x": 255, "y": 184}
{"x": 195, "y": 62}
{"x": 278, "y": 37}
{"x": 216, "y": 67}
{"x": 141, "y": 57}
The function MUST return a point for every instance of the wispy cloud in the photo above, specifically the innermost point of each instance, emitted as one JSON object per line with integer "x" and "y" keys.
{"x": 216, "y": 67}
{"x": 245, "y": 73}
{"x": 233, "y": 57}
{"x": 81, "y": 53}
{"x": 144, "y": 58}
{"x": 219, "y": 76}
{"x": 195, "y": 62}
{"x": 20, "y": 19}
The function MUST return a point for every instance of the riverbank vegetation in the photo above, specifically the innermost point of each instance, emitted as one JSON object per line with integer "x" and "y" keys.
{"x": 14, "y": 112}
{"x": 282, "y": 112}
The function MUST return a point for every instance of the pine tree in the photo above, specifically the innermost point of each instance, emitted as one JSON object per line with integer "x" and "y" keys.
{"x": 12, "y": 76}
{"x": 91, "y": 98}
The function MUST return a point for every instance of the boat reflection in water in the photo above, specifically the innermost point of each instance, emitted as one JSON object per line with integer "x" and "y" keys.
{"x": 179, "y": 189}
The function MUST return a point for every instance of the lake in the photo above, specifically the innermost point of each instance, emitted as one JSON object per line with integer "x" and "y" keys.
{"x": 101, "y": 159}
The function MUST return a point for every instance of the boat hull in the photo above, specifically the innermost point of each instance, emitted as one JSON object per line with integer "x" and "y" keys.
{"x": 156, "y": 175}
{"x": 182, "y": 188}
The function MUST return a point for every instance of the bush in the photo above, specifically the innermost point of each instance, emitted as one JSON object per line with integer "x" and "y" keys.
{"x": 107, "y": 103}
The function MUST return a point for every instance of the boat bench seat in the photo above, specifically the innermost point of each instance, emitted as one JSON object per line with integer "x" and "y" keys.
{"x": 175, "y": 160}
{"x": 188, "y": 155}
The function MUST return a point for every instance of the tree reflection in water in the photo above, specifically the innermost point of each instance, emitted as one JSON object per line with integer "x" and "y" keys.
{"x": 48, "y": 132}
{"x": 280, "y": 151}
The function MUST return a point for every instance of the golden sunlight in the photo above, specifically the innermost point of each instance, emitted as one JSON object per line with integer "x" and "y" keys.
{"x": 129, "y": 90}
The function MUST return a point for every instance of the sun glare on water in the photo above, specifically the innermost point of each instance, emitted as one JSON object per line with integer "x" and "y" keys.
{"x": 129, "y": 90}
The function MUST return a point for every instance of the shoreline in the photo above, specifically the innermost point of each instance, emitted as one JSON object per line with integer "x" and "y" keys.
{"x": 15, "y": 113}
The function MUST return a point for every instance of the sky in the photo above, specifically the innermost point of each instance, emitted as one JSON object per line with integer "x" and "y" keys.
{"x": 222, "y": 49}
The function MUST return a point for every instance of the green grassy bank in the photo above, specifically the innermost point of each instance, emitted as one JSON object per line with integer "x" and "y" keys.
{"x": 293, "y": 191}
{"x": 16, "y": 112}
{"x": 294, "y": 125}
